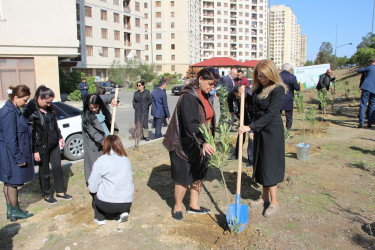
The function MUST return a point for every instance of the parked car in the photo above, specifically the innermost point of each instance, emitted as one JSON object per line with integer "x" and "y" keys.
{"x": 177, "y": 88}
{"x": 70, "y": 123}
{"x": 109, "y": 89}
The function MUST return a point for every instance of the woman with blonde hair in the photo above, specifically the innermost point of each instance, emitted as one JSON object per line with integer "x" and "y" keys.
{"x": 269, "y": 147}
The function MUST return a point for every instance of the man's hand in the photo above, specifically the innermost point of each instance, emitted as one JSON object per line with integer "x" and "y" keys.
{"x": 207, "y": 149}
{"x": 36, "y": 157}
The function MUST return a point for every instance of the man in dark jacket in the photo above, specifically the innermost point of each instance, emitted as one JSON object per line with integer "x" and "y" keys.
{"x": 367, "y": 94}
{"x": 159, "y": 106}
{"x": 325, "y": 80}
{"x": 84, "y": 88}
{"x": 291, "y": 81}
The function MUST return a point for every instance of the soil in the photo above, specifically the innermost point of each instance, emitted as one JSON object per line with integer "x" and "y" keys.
{"x": 327, "y": 202}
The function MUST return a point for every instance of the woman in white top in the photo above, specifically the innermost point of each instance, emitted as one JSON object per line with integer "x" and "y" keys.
{"x": 111, "y": 182}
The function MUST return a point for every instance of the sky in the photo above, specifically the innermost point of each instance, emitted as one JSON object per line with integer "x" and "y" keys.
{"x": 319, "y": 20}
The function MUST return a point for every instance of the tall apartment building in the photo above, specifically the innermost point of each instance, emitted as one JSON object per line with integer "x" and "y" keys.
{"x": 285, "y": 34}
{"x": 234, "y": 28}
{"x": 109, "y": 30}
{"x": 172, "y": 34}
{"x": 35, "y": 36}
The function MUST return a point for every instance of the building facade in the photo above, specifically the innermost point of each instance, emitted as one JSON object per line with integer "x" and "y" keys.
{"x": 234, "y": 28}
{"x": 34, "y": 42}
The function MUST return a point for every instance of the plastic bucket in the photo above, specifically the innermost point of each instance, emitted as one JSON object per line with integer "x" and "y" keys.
{"x": 303, "y": 151}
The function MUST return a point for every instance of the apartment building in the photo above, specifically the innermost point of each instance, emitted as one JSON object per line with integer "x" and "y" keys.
{"x": 35, "y": 36}
{"x": 285, "y": 34}
{"x": 234, "y": 28}
{"x": 109, "y": 30}
{"x": 172, "y": 34}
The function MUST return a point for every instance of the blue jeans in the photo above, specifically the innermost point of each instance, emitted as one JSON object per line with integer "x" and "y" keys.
{"x": 366, "y": 97}
{"x": 158, "y": 125}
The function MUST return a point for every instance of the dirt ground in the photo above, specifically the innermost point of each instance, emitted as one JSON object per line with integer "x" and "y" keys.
{"x": 327, "y": 202}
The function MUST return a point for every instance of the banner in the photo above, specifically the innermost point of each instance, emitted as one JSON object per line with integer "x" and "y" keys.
{"x": 309, "y": 75}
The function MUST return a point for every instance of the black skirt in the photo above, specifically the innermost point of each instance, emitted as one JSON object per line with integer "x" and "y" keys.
{"x": 185, "y": 173}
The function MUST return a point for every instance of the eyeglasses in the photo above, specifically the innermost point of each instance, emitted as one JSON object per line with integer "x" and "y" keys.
{"x": 139, "y": 85}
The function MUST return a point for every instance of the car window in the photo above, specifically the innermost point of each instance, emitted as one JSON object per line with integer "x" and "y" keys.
{"x": 106, "y": 85}
{"x": 64, "y": 111}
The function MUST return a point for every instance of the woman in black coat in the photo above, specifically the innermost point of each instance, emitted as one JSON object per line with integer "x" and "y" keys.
{"x": 16, "y": 153}
{"x": 269, "y": 146}
{"x": 141, "y": 103}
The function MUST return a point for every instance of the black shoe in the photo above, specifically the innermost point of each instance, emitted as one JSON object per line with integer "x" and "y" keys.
{"x": 50, "y": 200}
{"x": 249, "y": 164}
{"x": 147, "y": 139}
{"x": 178, "y": 215}
{"x": 201, "y": 210}
{"x": 165, "y": 125}
{"x": 360, "y": 126}
{"x": 369, "y": 126}
{"x": 64, "y": 197}
{"x": 232, "y": 158}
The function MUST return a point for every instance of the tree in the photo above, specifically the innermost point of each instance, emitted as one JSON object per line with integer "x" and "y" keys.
{"x": 363, "y": 56}
{"x": 324, "y": 54}
{"x": 368, "y": 41}
{"x": 116, "y": 73}
{"x": 136, "y": 69}
{"x": 309, "y": 63}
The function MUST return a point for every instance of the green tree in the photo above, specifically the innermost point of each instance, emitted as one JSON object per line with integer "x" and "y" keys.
{"x": 69, "y": 81}
{"x": 116, "y": 73}
{"x": 324, "y": 54}
{"x": 136, "y": 69}
{"x": 363, "y": 56}
{"x": 309, "y": 63}
{"x": 368, "y": 41}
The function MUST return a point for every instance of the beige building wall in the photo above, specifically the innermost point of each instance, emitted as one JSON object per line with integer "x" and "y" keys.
{"x": 41, "y": 30}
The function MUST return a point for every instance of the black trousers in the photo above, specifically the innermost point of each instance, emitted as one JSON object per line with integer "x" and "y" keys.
{"x": 289, "y": 118}
{"x": 107, "y": 209}
{"x": 52, "y": 156}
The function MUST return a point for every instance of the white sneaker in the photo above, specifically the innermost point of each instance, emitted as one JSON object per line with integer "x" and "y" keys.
{"x": 100, "y": 222}
{"x": 123, "y": 217}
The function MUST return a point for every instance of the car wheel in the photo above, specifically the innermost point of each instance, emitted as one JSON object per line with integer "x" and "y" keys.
{"x": 73, "y": 149}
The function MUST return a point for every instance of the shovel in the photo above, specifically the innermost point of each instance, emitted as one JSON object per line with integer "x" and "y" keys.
{"x": 114, "y": 112}
{"x": 237, "y": 214}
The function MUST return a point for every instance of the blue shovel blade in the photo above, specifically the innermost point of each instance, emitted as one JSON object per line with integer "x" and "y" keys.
{"x": 237, "y": 216}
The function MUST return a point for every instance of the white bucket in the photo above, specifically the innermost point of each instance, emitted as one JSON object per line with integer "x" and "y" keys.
{"x": 303, "y": 151}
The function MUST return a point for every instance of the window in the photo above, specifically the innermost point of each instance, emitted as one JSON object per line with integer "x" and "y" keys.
{"x": 159, "y": 57}
{"x": 78, "y": 32}
{"x": 218, "y": 4}
{"x": 145, "y": 6}
{"x": 138, "y": 53}
{"x": 103, "y": 15}
{"x": 89, "y": 50}
{"x": 159, "y": 67}
{"x": 158, "y": 14}
{"x": 88, "y": 11}
{"x": 105, "y": 51}
{"x": 172, "y": 3}
{"x": 146, "y": 47}
{"x": 117, "y": 52}
{"x": 173, "y": 68}
{"x": 117, "y": 35}
{"x": 172, "y": 14}
{"x": 172, "y": 25}
{"x": 219, "y": 53}
{"x": 173, "y": 57}
{"x": 158, "y": 25}
{"x": 157, "y": 3}
{"x": 146, "y": 36}
{"x": 115, "y": 2}
{"x": 146, "y": 15}
{"x": 104, "y": 33}
{"x": 173, "y": 35}
{"x": 77, "y": 12}
{"x": 137, "y": 38}
{"x": 146, "y": 58}
{"x": 137, "y": 6}
{"x": 158, "y": 46}
{"x": 158, "y": 35}
{"x": 103, "y": 0}
{"x": 146, "y": 26}
{"x": 88, "y": 31}
{"x": 116, "y": 17}
{"x": 137, "y": 22}
{"x": 173, "y": 46}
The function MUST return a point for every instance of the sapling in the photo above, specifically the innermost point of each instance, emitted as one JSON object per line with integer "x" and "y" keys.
{"x": 323, "y": 100}
{"x": 225, "y": 117}
{"x": 298, "y": 99}
{"x": 136, "y": 131}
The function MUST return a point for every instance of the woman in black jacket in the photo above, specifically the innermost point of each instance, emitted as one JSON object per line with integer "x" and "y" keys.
{"x": 47, "y": 141}
{"x": 141, "y": 104}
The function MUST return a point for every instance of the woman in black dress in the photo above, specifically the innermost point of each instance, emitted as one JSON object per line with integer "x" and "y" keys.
{"x": 141, "y": 104}
{"x": 269, "y": 146}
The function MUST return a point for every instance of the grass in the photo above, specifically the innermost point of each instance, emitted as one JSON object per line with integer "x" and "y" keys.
{"x": 290, "y": 225}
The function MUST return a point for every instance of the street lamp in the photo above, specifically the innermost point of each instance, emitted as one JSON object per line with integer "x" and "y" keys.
{"x": 342, "y": 46}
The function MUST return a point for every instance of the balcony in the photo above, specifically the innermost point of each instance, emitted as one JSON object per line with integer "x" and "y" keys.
{"x": 127, "y": 43}
{"x": 127, "y": 27}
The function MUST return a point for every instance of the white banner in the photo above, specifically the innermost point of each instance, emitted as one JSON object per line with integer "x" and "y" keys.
{"x": 309, "y": 75}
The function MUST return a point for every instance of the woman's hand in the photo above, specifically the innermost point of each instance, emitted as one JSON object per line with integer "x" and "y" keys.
{"x": 36, "y": 157}
{"x": 243, "y": 129}
{"x": 62, "y": 143}
{"x": 208, "y": 149}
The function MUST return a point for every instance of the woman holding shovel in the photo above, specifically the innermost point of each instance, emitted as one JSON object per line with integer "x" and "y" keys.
{"x": 185, "y": 143}
{"x": 269, "y": 146}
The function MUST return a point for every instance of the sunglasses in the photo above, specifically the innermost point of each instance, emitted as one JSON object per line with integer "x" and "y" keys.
{"x": 139, "y": 85}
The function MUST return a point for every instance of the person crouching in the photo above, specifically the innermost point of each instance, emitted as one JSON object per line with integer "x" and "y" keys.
{"x": 111, "y": 182}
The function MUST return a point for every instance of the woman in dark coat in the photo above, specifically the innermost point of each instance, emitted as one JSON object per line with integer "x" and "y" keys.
{"x": 47, "y": 141}
{"x": 141, "y": 104}
{"x": 186, "y": 144}
{"x": 16, "y": 160}
{"x": 269, "y": 146}
{"x": 96, "y": 125}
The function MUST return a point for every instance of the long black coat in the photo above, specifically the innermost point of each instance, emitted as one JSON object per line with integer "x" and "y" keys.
{"x": 141, "y": 104}
{"x": 269, "y": 145}
{"x": 291, "y": 81}
{"x": 15, "y": 146}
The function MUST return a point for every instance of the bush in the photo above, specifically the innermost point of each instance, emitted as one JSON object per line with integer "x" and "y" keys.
{"x": 76, "y": 94}
{"x": 69, "y": 81}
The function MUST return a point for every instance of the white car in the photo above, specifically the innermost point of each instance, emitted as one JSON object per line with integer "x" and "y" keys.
{"x": 70, "y": 123}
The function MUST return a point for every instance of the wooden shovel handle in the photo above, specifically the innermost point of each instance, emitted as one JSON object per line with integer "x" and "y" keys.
{"x": 240, "y": 144}
{"x": 114, "y": 112}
